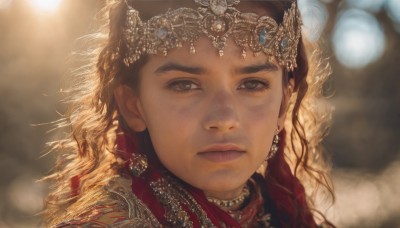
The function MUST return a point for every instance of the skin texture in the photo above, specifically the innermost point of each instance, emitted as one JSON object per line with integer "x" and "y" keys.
{"x": 192, "y": 103}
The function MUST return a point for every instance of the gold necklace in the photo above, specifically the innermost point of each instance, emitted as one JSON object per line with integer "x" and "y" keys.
{"x": 232, "y": 204}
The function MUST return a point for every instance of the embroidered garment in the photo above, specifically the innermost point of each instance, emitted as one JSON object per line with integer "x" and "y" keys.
{"x": 124, "y": 209}
{"x": 158, "y": 199}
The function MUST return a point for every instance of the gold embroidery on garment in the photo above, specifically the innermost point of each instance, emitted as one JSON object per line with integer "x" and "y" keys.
{"x": 113, "y": 205}
{"x": 139, "y": 214}
{"x": 174, "y": 213}
{"x": 116, "y": 206}
{"x": 171, "y": 195}
{"x": 192, "y": 203}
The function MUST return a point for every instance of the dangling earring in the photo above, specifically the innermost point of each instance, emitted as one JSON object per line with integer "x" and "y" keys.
{"x": 274, "y": 147}
{"x": 138, "y": 164}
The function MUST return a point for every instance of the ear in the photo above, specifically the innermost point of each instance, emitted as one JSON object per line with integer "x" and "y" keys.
{"x": 130, "y": 107}
{"x": 287, "y": 93}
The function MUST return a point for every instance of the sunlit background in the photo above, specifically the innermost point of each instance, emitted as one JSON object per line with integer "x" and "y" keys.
{"x": 361, "y": 37}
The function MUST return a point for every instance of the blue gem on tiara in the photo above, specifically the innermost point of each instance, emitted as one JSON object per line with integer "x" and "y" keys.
{"x": 284, "y": 43}
{"x": 161, "y": 32}
{"x": 262, "y": 38}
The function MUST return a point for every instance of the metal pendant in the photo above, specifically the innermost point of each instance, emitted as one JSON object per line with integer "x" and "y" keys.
{"x": 218, "y": 7}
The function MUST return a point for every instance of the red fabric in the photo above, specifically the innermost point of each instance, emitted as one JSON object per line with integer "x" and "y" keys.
{"x": 214, "y": 213}
{"x": 75, "y": 182}
{"x": 287, "y": 193}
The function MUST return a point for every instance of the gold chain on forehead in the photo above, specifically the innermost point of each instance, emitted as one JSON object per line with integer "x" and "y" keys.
{"x": 218, "y": 20}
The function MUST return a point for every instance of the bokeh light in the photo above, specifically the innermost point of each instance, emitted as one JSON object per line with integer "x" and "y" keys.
{"x": 315, "y": 16}
{"x": 45, "y": 5}
{"x": 29, "y": 202}
{"x": 358, "y": 39}
{"x": 370, "y": 5}
{"x": 393, "y": 9}
{"x": 365, "y": 199}
{"x": 4, "y": 3}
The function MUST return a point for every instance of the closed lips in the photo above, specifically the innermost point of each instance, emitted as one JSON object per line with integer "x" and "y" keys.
{"x": 222, "y": 153}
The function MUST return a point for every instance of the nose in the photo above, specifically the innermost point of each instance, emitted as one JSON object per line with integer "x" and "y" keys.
{"x": 221, "y": 114}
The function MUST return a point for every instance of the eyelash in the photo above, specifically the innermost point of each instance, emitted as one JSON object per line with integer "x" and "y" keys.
{"x": 176, "y": 86}
{"x": 182, "y": 85}
{"x": 261, "y": 85}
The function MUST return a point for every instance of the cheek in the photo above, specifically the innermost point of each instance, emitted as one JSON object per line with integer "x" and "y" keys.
{"x": 265, "y": 111}
{"x": 168, "y": 114}
{"x": 260, "y": 122}
{"x": 169, "y": 121}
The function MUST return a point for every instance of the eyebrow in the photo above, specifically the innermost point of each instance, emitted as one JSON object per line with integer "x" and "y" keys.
{"x": 257, "y": 68}
{"x": 178, "y": 67}
{"x": 171, "y": 66}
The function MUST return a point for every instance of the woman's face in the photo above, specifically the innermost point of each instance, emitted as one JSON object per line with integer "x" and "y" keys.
{"x": 211, "y": 119}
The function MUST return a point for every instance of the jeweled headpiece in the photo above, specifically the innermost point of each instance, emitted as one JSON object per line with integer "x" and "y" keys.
{"x": 218, "y": 20}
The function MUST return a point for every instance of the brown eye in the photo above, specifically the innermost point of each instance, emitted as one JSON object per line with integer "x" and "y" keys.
{"x": 254, "y": 85}
{"x": 183, "y": 86}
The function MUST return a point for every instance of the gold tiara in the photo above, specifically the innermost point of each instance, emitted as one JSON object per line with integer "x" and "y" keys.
{"x": 218, "y": 20}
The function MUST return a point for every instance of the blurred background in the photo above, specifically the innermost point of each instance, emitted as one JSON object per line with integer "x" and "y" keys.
{"x": 362, "y": 39}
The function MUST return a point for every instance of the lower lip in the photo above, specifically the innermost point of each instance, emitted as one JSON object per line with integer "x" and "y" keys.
{"x": 221, "y": 156}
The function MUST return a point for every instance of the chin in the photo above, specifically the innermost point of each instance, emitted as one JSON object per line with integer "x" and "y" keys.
{"x": 224, "y": 181}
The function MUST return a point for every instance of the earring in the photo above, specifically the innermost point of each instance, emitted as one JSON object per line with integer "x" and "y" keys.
{"x": 274, "y": 147}
{"x": 290, "y": 89}
{"x": 138, "y": 164}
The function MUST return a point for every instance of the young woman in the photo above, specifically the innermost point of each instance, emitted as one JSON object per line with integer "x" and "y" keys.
{"x": 196, "y": 113}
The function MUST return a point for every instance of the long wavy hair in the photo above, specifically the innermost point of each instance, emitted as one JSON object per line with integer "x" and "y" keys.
{"x": 294, "y": 177}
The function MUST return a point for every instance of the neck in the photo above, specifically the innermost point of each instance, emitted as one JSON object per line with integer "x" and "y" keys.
{"x": 225, "y": 195}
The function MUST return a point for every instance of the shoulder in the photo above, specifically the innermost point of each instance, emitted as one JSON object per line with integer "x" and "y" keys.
{"x": 117, "y": 207}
